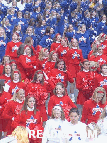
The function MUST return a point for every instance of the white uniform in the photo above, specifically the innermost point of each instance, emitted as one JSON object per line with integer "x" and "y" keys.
{"x": 77, "y": 133}
{"x": 55, "y": 130}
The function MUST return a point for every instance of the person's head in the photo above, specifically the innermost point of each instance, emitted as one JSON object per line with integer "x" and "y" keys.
{"x": 47, "y": 31}
{"x": 85, "y": 65}
{"x": 70, "y": 27}
{"x": 19, "y": 14}
{"x": 60, "y": 65}
{"x": 58, "y": 113}
{"x": 30, "y": 30}
{"x": 27, "y": 15}
{"x": 21, "y": 134}
{"x": 2, "y": 32}
{"x": 64, "y": 41}
{"x": 74, "y": 115}
{"x": 19, "y": 94}
{"x": 53, "y": 56}
{"x": 100, "y": 49}
{"x": 20, "y": 50}
{"x": 44, "y": 53}
{"x": 38, "y": 77}
{"x": 30, "y": 102}
{"x": 83, "y": 28}
{"x": 103, "y": 69}
{"x": 7, "y": 69}
{"x": 104, "y": 17}
{"x": 28, "y": 50}
{"x": 15, "y": 37}
{"x": 74, "y": 43}
{"x": 5, "y": 22}
{"x": 99, "y": 95}
{"x": 57, "y": 38}
{"x": 59, "y": 89}
{"x": 13, "y": 65}
{"x": 6, "y": 60}
{"x": 28, "y": 41}
{"x": 93, "y": 66}
{"x": 16, "y": 76}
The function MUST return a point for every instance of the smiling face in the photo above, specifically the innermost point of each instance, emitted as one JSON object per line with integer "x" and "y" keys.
{"x": 21, "y": 95}
{"x": 57, "y": 113}
{"x": 7, "y": 69}
{"x": 61, "y": 65}
{"x": 31, "y": 102}
{"x": 59, "y": 90}
{"x": 74, "y": 117}
{"x": 99, "y": 97}
{"x": 104, "y": 70}
{"x": 86, "y": 65}
{"x": 39, "y": 77}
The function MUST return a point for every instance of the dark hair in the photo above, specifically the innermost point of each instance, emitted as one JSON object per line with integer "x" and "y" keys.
{"x": 24, "y": 108}
{"x": 102, "y": 67}
{"x": 35, "y": 77}
{"x": 82, "y": 64}
{"x": 4, "y": 57}
{"x": 4, "y": 69}
{"x": 62, "y": 85}
{"x": 47, "y": 31}
{"x": 20, "y": 50}
{"x": 60, "y": 60}
{"x": 72, "y": 110}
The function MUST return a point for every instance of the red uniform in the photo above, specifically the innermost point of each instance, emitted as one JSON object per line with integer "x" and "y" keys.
{"x": 92, "y": 111}
{"x": 6, "y": 77}
{"x": 41, "y": 95}
{"x": 11, "y": 110}
{"x": 60, "y": 76}
{"x": 55, "y": 46}
{"x": 1, "y": 69}
{"x": 74, "y": 58}
{"x": 101, "y": 80}
{"x": 49, "y": 66}
{"x": 11, "y": 50}
{"x": 15, "y": 86}
{"x": 85, "y": 85}
{"x": 3, "y": 100}
{"x": 27, "y": 65}
{"x": 41, "y": 64}
{"x": 104, "y": 44}
{"x": 64, "y": 101}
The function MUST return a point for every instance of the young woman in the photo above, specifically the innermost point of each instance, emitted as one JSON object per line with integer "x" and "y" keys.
{"x": 13, "y": 108}
{"x": 29, "y": 116}
{"x": 76, "y": 130}
{"x": 101, "y": 79}
{"x": 85, "y": 83}
{"x": 6, "y": 60}
{"x": 3, "y": 42}
{"x": 93, "y": 107}
{"x": 13, "y": 46}
{"x": 27, "y": 62}
{"x": 39, "y": 88}
{"x": 16, "y": 82}
{"x": 60, "y": 74}
{"x": 60, "y": 97}
{"x": 55, "y": 127}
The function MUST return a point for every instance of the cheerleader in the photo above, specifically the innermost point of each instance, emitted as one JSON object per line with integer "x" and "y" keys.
{"x": 6, "y": 73}
{"x": 27, "y": 62}
{"x": 85, "y": 83}
{"x": 83, "y": 39}
{"x": 60, "y": 97}
{"x": 93, "y": 107}
{"x": 55, "y": 127}
{"x": 76, "y": 130}
{"x": 13, "y": 108}
{"x": 3, "y": 42}
{"x": 101, "y": 79}
{"x": 13, "y": 46}
{"x": 16, "y": 82}
{"x": 29, "y": 117}
{"x": 39, "y": 88}
{"x": 56, "y": 43}
{"x": 50, "y": 64}
{"x": 60, "y": 74}
{"x": 6, "y": 60}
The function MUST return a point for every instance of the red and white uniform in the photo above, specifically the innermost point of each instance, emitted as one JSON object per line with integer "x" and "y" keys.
{"x": 14, "y": 86}
{"x": 49, "y": 66}
{"x": 62, "y": 53}
{"x": 60, "y": 76}
{"x": 11, "y": 50}
{"x": 4, "y": 98}
{"x": 40, "y": 93}
{"x": 11, "y": 110}
{"x": 74, "y": 58}
{"x": 92, "y": 111}
{"x": 101, "y": 80}
{"x": 27, "y": 65}
{"x": 41, "y": 64}
{"x": 55, "y": 46}
{"x": 6, "y": 77}
{"x": 64, "y": 101}
{"x": 85, "y": 85}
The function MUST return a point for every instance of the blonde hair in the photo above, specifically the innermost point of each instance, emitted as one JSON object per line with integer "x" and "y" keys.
{"x": 14, "y": 98}
{"x": 41, "y": 54}
{"x": 21, "y": 134}
{"x": 94, "y": 96}
{"x": 4, "y": 35}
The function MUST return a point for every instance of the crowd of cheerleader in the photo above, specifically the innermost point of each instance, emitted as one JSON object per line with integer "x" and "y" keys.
{"x": 48, "y": 49}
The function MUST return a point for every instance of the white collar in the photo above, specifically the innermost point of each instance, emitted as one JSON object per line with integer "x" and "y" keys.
{"x": 103, "y": 74}
{"x": 85, "y": 70}
{"x": 58, "y": 42}
{"x": 30, "y": 109}
{"x": 7, "y": 75}
{"x": 60, "y": 95}
{"x": 74, "y": 47}
{"x": 99, "y": 54}
{"x": 17, "y": 100}
{"x": 103, "y": 21}
{"x": 16, "y": 81}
